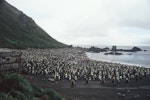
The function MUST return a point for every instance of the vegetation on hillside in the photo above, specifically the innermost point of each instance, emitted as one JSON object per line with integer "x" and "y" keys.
{"x": 19, "y": 31}
{"x": 15, "y": 87}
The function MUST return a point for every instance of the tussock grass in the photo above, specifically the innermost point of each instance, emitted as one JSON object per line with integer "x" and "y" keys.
{"x": 15, "y": 87}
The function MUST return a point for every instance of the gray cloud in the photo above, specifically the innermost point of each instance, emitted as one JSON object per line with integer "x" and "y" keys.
{"x": 102, "y": 22}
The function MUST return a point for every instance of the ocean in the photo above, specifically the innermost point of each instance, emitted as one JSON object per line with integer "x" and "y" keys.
{"x": 141, "y": 58}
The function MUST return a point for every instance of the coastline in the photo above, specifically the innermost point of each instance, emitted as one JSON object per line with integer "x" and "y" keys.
{"x": 105, "y": 58}
{"x": 123, "y": 63}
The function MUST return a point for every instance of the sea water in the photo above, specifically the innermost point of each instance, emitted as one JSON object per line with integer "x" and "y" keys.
{"x": 141, "y": 58}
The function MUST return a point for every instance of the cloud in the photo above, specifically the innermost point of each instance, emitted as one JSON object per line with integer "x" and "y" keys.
{"x": 93, "y": 22}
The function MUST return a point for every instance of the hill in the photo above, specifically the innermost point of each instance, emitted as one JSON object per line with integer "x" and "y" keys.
{"x": 17, "y": 30}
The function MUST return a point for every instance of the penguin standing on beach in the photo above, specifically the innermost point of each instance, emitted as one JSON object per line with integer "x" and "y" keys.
{"x": 72, "y": 83}
{"x": 127, "y": 80}
{"x": 86, "y": 81}
{"x": 113, "y": 80}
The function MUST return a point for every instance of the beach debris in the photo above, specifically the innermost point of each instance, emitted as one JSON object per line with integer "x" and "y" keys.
{"x": 120, "y": 94}
{"x": 136, "y": 96}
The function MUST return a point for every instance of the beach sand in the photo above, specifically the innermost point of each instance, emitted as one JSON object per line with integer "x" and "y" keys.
{"x": 96, "y": 91}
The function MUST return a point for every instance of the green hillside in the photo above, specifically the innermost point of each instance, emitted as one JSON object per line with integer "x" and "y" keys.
{"x": 20, "y": 31}
{"x": 15, "y": 87}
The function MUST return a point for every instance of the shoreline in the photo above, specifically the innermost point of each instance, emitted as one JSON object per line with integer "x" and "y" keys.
{"x": 123, "y": 63}
{"x": 117, "y": 62}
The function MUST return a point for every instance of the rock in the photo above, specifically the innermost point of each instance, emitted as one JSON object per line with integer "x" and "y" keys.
{"x": 94, "y": 49}
{"x": 134, "y": 49}
{"x": 114, "y": 48}
{"x": 70, "y": 46}
{"x": 97, "y": 50}
{"x": 106, "y": 49}
{"x": 113, "y": 53}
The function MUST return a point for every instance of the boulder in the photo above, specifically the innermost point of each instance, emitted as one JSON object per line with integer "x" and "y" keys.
{"x": 97, "y": 50}
{"x": 134, "y": 49}
{"x": 94, "y": 49}
{"x": 113, "y": 53}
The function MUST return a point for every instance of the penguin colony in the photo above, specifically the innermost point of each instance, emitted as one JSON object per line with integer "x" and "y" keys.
{"x": 72, "y": 63}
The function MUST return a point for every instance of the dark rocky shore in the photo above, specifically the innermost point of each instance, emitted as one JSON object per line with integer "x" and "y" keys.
{"x": 114, "y": 48}
{"x": 113, "y": 51}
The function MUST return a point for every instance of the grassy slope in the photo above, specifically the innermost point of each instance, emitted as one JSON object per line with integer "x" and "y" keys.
{"x": 19, "y": 31}
{"x": 15, "y": 87}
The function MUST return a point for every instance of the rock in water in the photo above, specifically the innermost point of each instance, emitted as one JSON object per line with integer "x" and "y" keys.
{"x": 134, "y": 49}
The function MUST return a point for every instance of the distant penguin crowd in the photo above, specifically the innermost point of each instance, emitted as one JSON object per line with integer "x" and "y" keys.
{"x": 72, "y": 64}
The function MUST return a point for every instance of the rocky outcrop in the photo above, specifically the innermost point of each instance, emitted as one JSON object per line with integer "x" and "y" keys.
{"x": 114, "y": 50}
{"x": 97, "y": 50}
{"x": 134, "y": 49}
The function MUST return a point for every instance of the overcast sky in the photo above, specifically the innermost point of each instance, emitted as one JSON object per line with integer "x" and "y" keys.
{"x": 91, "y": 22}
